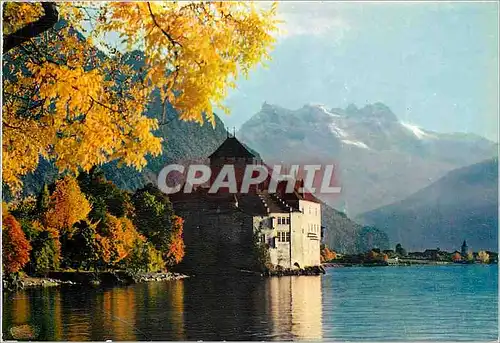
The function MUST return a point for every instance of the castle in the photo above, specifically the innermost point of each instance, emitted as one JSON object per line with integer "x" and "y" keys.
{"x": 220, "y": 228}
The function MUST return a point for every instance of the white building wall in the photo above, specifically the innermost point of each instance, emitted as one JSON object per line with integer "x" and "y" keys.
{"x": 304, "y": 230}
{"x": 311, "y": 222}
{"x": 298, "y": 247}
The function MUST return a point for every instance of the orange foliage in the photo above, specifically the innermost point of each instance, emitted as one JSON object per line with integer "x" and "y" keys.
{"x": 327, "y": 255}
{"x": 118, "y": 240}
{"x": 68, "y": 205}
{"x": 375, "y": 256}
{"x": 176, "y": 248}
{"x": 15, "y": 246}
{"x": 104, "y": 247}
{"x": 456, "y": 257}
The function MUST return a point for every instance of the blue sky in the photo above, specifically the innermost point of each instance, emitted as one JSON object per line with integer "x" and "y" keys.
{"x": 434, "y": 64}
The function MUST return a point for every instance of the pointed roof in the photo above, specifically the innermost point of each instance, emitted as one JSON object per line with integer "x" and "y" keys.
{"x": 464, "y": 244}
{"x": 232, "y": 147}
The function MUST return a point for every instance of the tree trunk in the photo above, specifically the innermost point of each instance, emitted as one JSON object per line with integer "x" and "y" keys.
{"x": 31, "y": 30}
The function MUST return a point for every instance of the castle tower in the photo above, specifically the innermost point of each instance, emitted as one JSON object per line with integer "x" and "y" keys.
{"x": 231, "y": 151}
{"x": 465, "y": 249}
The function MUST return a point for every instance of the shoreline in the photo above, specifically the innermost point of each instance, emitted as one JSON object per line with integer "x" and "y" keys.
{"x": 401, "y": 264}
{"x": 90, "y": 279}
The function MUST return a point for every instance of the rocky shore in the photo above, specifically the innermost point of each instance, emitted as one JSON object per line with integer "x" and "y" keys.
{"x": 149, "y": 277}
{"x": 90, "y": 279}
{"x": 317, "y": 270}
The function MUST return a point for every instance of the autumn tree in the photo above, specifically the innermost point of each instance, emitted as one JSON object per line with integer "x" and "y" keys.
{"x": 5, "y": 208}
{"x": 15, "y": 246}
{"x": 327, "y": 255}
{"x": 118, "y": 238}
{"x": 69, "y": 96}
{"x": 67, "y": 205}
{"x": 483, "y": 256}
{"x": 175, "y": 251}
{"x": 456, "y": 257}
{"x": 375, "y": 255}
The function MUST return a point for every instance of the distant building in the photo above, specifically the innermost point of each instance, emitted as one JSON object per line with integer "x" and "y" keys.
{"x": 465, "y": 249}
{"x": 219, "y": 228}
{"x": 416, "y": 255}
{"x": 431, "y": 254}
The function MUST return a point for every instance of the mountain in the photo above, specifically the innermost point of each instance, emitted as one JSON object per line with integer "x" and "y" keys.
{"x": 462, "y": 205}
{"x": 379, "y": 159}
{"x": 345, "y": 236}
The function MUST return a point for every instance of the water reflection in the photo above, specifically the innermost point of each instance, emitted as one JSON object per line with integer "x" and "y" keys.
{"x": 223, "y": 308}
{"x": 295, "y": 307}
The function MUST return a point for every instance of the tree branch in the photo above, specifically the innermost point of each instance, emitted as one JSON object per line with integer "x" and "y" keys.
{"x": 31, "y": 30}
{"x": 169, "y": 37}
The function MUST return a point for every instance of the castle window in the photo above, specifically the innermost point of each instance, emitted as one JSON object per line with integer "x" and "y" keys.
{"x": 279, "y": 220}
{"x": 288, "y": 220}
{"x": 283, "y": 237}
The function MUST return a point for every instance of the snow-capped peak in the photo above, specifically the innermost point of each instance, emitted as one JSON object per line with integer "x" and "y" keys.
{"x": 322, "y": 108}
{"x": 355, "y": 143}
{"x": 418, "y": 132}
{"x": 337, "y": 131}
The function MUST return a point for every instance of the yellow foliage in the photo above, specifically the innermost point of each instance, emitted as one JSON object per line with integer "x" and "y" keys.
{"x": 5, "y": 208}
{"x": 73, "y": 104}
{"x": 67, "y": 205}
{"x": 483, "y": 256}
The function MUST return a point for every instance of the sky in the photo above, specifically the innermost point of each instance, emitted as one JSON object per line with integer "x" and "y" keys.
{"x": 435, "y": 64}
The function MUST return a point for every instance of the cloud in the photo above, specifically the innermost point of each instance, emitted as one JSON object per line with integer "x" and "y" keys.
{"x": 312, "y": 18}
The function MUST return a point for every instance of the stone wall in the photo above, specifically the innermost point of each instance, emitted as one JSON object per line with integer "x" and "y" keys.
{"x": 217, "y": 235}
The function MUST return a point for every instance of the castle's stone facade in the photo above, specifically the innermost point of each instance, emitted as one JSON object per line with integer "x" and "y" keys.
{"x": 219, "y": 228}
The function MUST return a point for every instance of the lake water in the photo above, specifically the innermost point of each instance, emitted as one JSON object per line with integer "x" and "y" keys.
{"x": 458, "y": 302}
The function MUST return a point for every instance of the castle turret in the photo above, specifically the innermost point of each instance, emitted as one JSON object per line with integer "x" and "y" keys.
{"x": 231, "y": 152}
{"x": 465, "y": 249}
